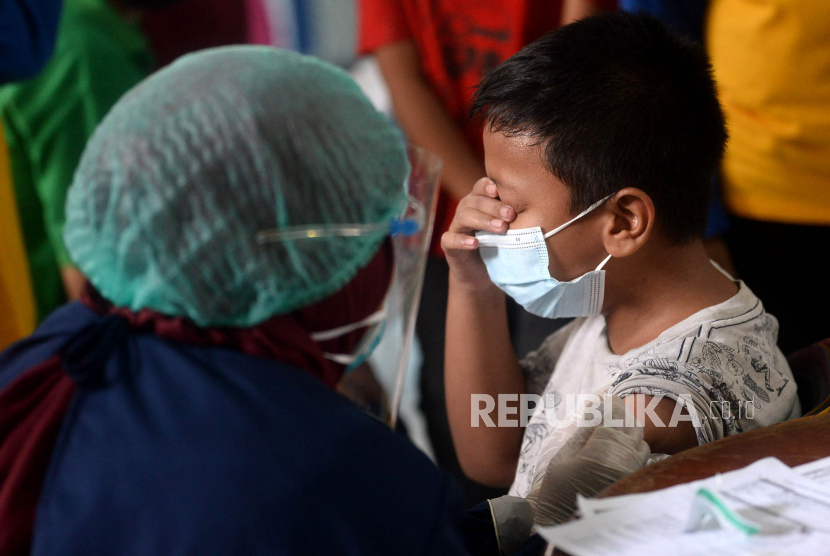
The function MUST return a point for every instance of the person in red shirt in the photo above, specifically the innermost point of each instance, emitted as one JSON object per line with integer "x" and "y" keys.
{"x": 432, "y": 54}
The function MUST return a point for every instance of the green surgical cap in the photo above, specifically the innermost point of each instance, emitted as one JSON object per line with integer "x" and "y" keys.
{"x": 184, "y": 171}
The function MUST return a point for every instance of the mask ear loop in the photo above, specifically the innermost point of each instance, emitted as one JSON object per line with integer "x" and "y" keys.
{"x": 374, "y": 318}
{"x": 577, "y": 217}
{"x": 602, "y": 264}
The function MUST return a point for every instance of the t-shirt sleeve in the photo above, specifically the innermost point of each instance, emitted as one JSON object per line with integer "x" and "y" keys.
{"x": 729, "y": 389}
{"x": 538, "y": 365}
{"x": 649, "y": 382}
{"x": 380, "y": 22}
{"x": 657, "y": 373}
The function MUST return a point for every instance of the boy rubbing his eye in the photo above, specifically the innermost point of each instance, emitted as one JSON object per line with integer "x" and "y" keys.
{"x": 601, "y": 140}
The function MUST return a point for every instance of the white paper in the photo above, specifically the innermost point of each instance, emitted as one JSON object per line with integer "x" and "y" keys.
{"x": 818, "y": 470}
{"x": 794, "y": 513}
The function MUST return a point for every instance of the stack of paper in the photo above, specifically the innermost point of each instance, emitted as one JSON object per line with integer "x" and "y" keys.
{"x": 790, "y": 507}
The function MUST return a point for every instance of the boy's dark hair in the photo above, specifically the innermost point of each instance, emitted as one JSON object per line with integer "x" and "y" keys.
{"x": 617, "y": 101}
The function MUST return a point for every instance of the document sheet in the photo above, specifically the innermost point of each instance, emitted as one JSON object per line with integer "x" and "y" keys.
{"x": 790, "y": 508}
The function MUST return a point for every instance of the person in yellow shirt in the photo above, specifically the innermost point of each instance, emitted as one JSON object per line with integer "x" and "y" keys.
{"x": 772, "y": 64}
{"x": 27, "y": 40}
{"x": 17, "y": 303}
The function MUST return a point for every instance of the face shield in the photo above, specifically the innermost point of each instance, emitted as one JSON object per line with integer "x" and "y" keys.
{"x": 391, "y": 329}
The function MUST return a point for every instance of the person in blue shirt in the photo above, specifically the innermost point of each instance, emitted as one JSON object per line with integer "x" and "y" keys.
{"x": 684, "y": 16}
{"x": 27, "y": 36}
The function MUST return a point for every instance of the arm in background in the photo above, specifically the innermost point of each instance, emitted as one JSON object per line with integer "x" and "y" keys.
{"x": 423, "y": 118}
{"x": 573, "y": 10}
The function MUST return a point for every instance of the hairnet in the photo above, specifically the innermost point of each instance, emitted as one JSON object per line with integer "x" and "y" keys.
{"x": 187, "y": 167}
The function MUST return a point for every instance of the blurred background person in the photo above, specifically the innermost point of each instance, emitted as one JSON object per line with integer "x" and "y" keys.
{"x": 100, "y": 53}
{"x": 684, "y": 16}
{"x": 432, "y": 54}
{"x": 27, "y": 38}
{"x": 687, "y": 17}
{"x": 772, "y": 65}
{"x": 770, "y": 60}
{"x": 326, "y": 29}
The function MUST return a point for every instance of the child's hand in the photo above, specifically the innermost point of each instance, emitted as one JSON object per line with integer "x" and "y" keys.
{"x": 481, "y": 210}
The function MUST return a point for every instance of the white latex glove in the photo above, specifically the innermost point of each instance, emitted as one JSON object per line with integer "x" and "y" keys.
{"x": 592, "y": 459}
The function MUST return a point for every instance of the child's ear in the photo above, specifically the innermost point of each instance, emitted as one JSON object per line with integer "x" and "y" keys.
{"x": 633, "y": 212}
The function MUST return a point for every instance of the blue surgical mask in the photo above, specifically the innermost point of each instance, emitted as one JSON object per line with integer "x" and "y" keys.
{"x": 517, "y": 263}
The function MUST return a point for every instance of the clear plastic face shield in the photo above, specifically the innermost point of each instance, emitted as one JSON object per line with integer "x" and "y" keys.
{"x": 389, "y": 331}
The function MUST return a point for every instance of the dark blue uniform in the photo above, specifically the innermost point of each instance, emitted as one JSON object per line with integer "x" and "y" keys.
{"x": 177, "y": 449}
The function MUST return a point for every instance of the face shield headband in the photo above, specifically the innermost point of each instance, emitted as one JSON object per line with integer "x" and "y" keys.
{"x": 394, "y": 322}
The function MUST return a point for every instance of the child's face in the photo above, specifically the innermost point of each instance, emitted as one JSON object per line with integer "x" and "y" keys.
{"x": 539, "y": 198}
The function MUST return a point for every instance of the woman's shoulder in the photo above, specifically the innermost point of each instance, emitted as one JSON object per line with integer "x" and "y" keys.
{"x": 52, "y": 334}
{"x": 261, "y": 451}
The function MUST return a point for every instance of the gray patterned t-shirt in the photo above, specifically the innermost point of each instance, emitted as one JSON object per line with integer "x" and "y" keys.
{"x": 724, "y": 358}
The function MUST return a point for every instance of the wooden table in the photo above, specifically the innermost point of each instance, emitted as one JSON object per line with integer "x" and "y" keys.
{"x": 793, "y": 442}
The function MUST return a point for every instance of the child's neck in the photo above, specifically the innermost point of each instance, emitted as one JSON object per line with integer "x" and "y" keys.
{"x": 650, "y": 292}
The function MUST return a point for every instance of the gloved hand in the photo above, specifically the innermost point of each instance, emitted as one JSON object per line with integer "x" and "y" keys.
{"x": 592, "y": 459}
